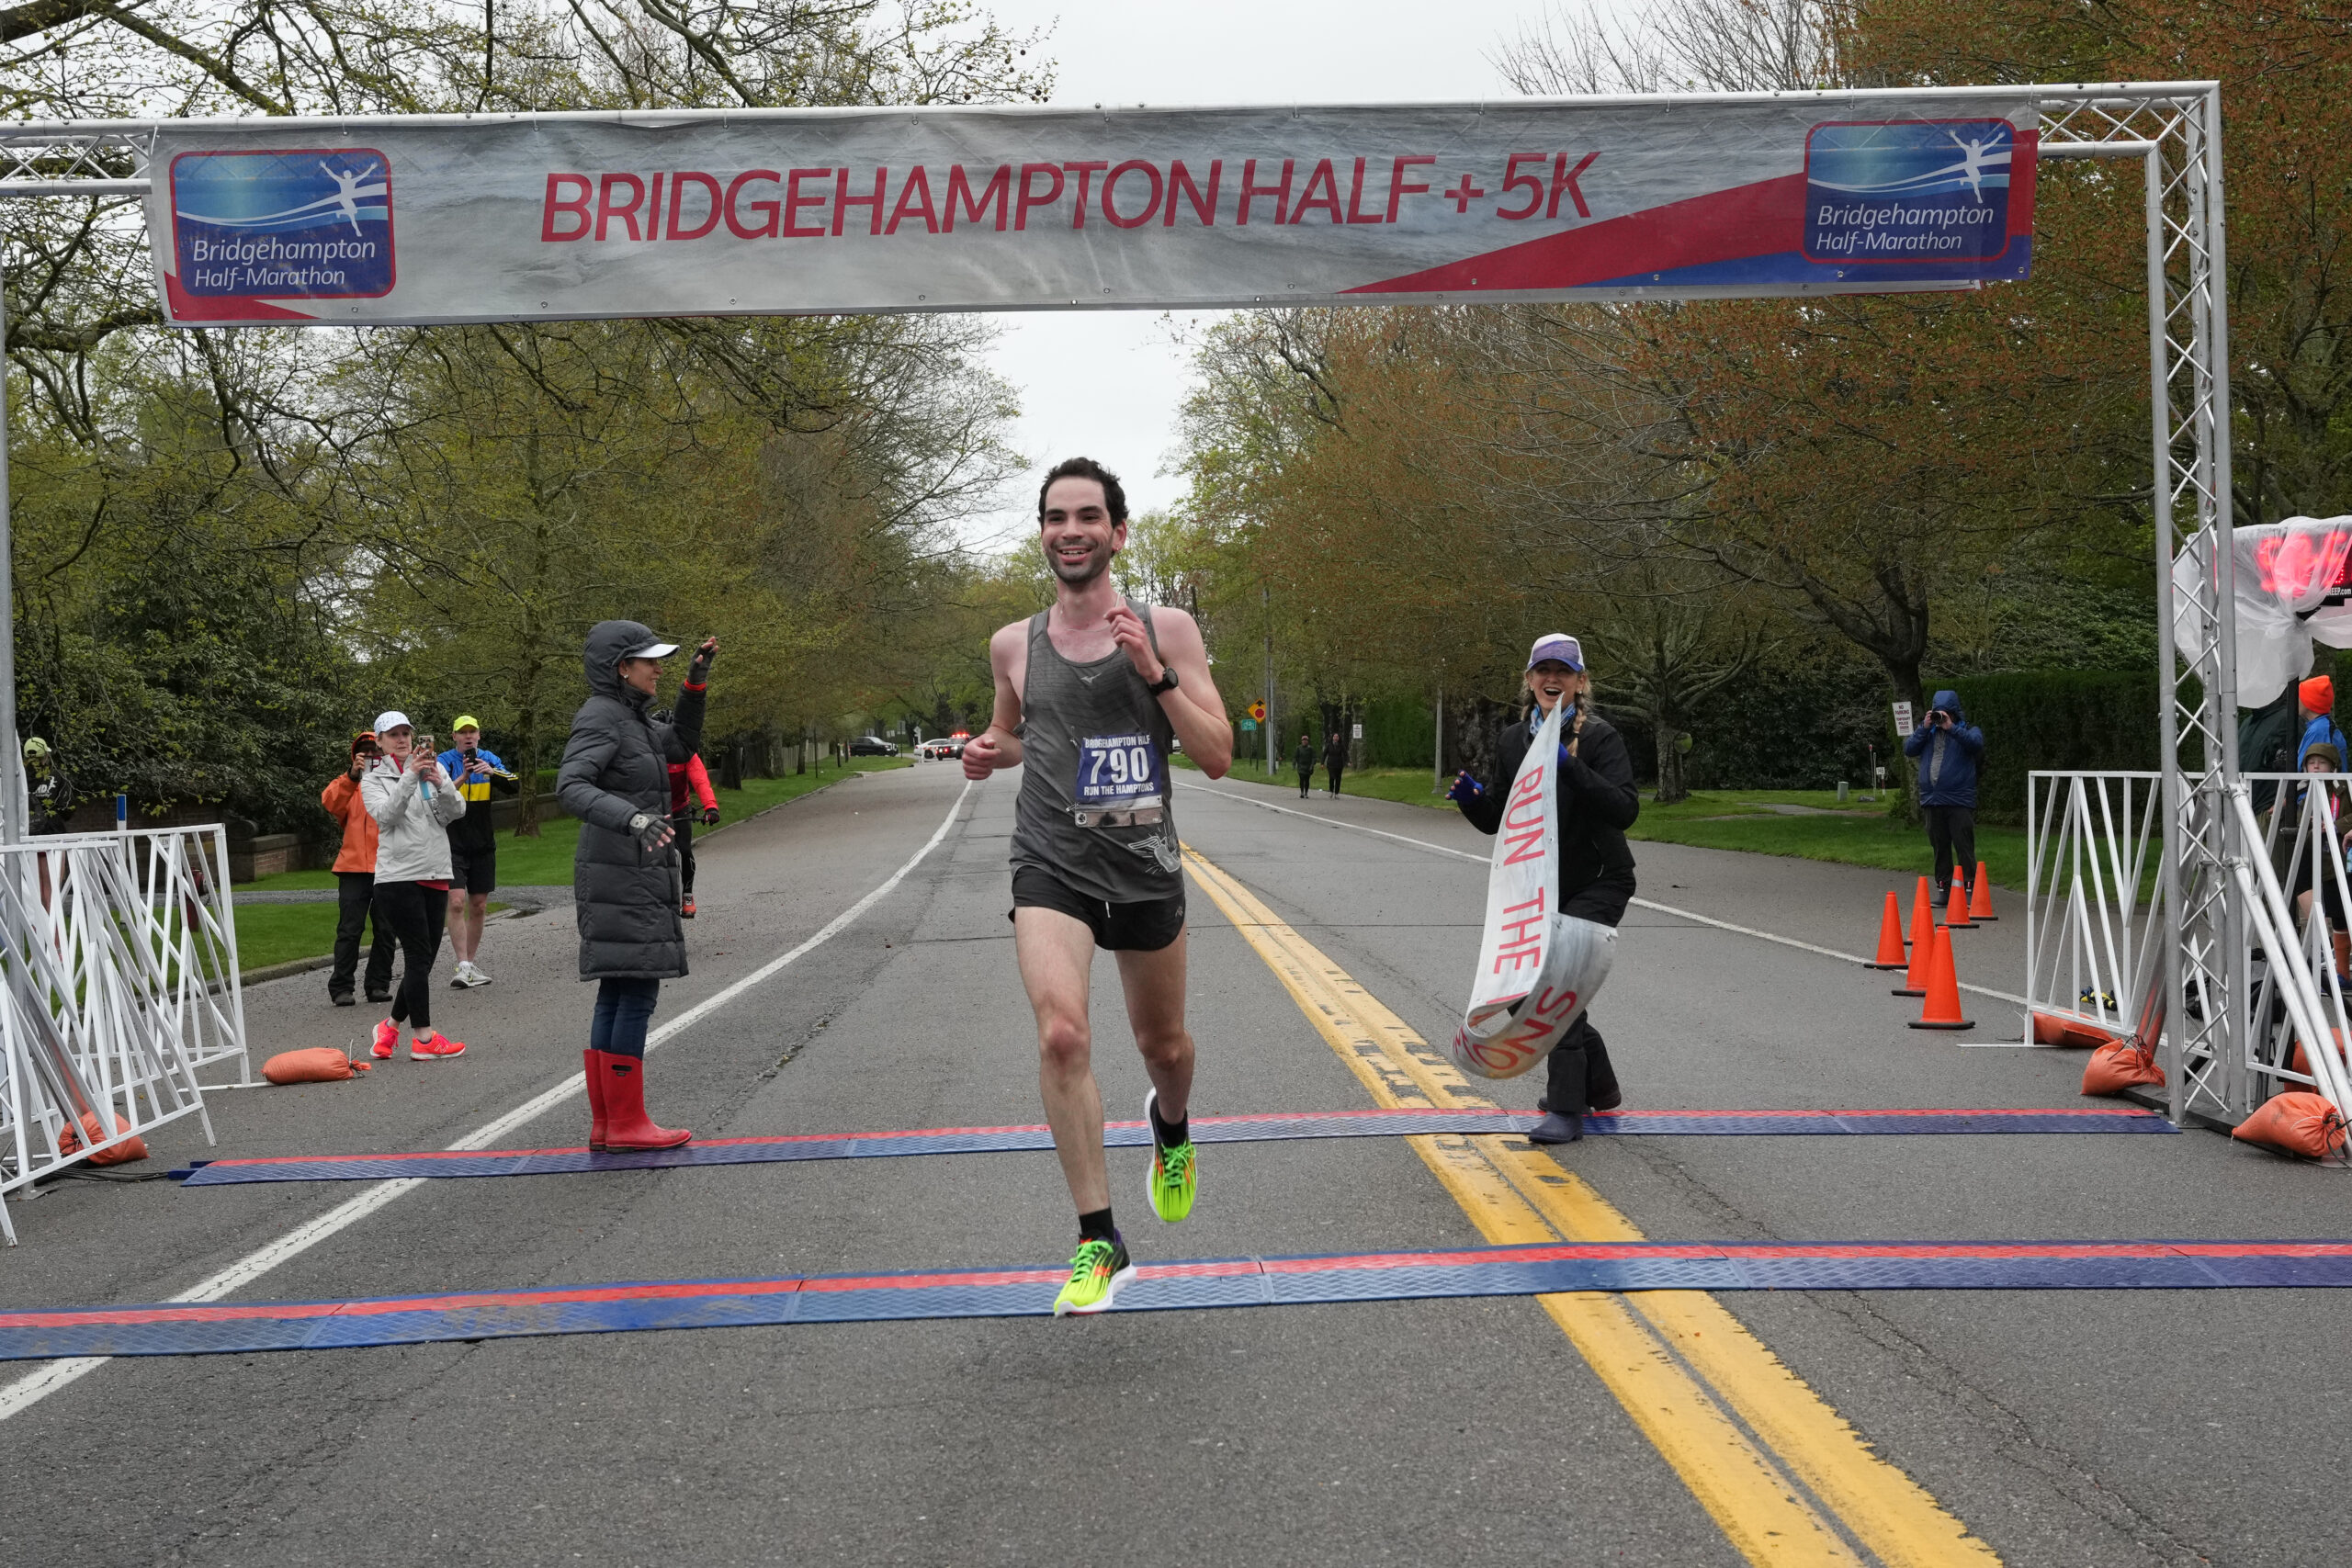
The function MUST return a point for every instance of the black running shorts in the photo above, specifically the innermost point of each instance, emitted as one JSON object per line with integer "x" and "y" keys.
{"x": 1146, "y": 927}
{"x": 472, "y": 871}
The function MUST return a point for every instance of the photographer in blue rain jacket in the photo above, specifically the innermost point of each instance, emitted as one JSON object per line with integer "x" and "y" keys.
{"x": 1948, "y": 748}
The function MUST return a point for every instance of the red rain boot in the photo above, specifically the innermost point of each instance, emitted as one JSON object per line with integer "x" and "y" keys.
{"x": 626, "y": 1126}
{"x": 596, "y": 1081}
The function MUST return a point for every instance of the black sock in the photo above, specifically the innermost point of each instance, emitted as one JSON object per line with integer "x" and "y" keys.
{"x": 1096, "y": 1226}
{"x": 1171, "y": 1134}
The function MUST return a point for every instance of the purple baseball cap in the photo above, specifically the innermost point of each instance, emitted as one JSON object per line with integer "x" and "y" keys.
{"x": 1559, "y": 646}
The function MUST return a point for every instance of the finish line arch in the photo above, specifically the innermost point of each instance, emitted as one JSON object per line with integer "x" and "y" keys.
{"x": 429, "y": 220}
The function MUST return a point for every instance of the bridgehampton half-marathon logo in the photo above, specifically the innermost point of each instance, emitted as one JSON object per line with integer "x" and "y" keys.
{"x": 1908, "y": 191}
{"x": 310, "y": 224}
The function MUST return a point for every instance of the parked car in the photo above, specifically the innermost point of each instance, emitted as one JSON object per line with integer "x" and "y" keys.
{"x": 872, "y": 746}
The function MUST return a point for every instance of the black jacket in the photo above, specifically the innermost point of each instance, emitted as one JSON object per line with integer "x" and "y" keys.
{"x": 1304, "y": 759}
{"x": 1598, "y": 800}
{"x": 617, "y": 765}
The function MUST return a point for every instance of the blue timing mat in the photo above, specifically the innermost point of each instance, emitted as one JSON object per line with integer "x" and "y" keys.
{"x": 184, "y": 1330}
{"x": 1134, "y": 1135}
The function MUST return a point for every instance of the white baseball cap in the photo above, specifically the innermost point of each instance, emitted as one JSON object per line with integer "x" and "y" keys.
{"x": 391, "y": 718}
{"x": 654, "y": 650}
{"x": 1559, "y": 646}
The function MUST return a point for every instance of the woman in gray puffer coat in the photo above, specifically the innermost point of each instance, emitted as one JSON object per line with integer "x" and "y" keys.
{"x": 616, "y": 779}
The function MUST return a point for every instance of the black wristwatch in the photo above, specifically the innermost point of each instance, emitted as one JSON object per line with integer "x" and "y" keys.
{"x": 1166, "y": 682}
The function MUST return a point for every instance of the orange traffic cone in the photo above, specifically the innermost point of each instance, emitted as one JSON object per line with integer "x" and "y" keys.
{"x": 1942, "y": 1009}
{"x": 1980, "y": 901}
{"x": 1923, "y": 926}
{"x": 1956, "y": 908}
{"x": 1889, "y": 936}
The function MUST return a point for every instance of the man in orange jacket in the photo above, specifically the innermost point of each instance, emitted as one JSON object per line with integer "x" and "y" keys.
{"x": 354, "y": 876}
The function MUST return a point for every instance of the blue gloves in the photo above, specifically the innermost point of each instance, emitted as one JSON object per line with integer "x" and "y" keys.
{"x": 1566, "y": 755}
{"x": 1464, "y": 788}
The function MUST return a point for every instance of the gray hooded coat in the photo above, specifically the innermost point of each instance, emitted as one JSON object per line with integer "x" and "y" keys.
{"x": 615, "y": 765}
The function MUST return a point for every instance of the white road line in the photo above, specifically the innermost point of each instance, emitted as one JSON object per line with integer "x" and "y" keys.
{"x": 1644, "y": 903}
{"x": 31, "y": 1390}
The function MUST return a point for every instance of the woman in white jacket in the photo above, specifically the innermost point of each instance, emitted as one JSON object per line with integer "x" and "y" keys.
{"x": 412, "y": 802}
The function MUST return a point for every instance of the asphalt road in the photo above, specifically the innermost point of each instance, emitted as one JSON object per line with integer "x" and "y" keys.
{"x": 2060, "y": 1428}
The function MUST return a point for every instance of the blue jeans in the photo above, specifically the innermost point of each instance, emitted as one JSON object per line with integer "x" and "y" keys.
{"x": 623, "y": 1009}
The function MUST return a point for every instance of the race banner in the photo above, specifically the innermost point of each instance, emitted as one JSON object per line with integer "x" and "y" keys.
{"x": 1537, "y": 968}
{"x": 549, "y": 216}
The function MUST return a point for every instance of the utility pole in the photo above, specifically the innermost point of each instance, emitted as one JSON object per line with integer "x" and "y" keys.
{"x": 1266, "y": 602}
{"x": 16, "y": 804}
{"x": 1437, "y": 753}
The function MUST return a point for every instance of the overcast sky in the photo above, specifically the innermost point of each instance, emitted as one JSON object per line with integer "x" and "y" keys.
{"x": 1107, "y": 383}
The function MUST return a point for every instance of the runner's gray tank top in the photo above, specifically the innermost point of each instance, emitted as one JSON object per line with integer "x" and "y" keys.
{"x": 1094, "y": 807}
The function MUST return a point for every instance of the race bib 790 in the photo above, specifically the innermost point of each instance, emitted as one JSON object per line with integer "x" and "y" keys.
{"x": 1121, "y": 779}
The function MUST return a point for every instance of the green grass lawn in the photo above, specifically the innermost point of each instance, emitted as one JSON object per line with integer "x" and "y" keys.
{"x": 279, "y": 933}
{"x": 546, "y": 860}
{"x": 1859, "y": 833}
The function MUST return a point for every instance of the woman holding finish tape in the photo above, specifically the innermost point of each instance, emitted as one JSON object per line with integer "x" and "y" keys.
{"x": 1598, "y": 800}
{"x": 616, "y": 779}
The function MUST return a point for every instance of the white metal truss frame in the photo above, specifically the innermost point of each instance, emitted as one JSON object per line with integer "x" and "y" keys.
{"x": 2175, "y": 131}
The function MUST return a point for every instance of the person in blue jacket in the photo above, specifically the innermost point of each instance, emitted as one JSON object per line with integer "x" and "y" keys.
{"x": 2317, "y": 696}
{"x": 1948, "y": 748}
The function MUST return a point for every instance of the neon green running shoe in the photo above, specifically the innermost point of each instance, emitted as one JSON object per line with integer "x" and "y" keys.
{"x": 1175, "y": 1178}
{"x": 1095, "y": 1276}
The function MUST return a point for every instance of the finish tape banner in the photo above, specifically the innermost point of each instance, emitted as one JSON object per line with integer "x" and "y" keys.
{"x": 549, "y": 216}
{"x": 1537, "y": 968}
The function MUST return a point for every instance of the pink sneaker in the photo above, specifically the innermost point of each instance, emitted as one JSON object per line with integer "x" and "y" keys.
{"x": 435, "y": 1049}
{"x": 388, "y": 1034}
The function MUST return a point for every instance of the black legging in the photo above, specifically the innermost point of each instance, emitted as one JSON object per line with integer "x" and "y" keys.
{"x": 683, "y": 824}
{"x": 1336, "y": 770}
{"x": 416, "y": 914}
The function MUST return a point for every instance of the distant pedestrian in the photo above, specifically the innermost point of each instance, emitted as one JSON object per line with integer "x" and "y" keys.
{"x": 354, "y": 879}
{"x": 48, "y": 791}
{"x": 689, "y": 780}
{"x": 473, "y": 843}
{"x": 1948, "y": 749}
{"x": 616, "y": 779}
{"x": 1304, "y": 762}
{"x": 413, "y": 804}
{"x": 1335, "y": 760}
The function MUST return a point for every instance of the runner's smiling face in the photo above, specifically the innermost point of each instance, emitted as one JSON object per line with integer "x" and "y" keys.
{"x": 1077, "y": 532}
{"x": 1551, "y": 681}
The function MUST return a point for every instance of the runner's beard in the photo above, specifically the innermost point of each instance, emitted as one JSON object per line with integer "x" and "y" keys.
{"x": 1079, "y": 576}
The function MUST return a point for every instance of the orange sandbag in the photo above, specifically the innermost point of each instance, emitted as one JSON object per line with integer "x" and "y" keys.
{"x": 2118, "y": 1066}
{"x": 121, "y": 1154}
{"x": 319, "y": 1063}
{"x": 2296, "y": 1124}
{"x": 2055, "y": 1028}
{"x": 2303, "y": 1064}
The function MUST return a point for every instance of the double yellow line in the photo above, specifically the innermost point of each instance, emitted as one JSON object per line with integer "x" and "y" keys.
{"x": 1782, "y": 1474}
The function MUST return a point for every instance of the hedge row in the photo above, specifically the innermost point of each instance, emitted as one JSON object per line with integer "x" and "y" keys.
{"x": 2075, "y": 719}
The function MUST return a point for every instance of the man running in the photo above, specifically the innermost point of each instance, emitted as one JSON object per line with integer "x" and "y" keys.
{"x": 474, "y": 844}
{"x": 1089, "y": 694}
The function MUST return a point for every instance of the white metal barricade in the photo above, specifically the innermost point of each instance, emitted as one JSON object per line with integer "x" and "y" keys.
{"x": 2091, "y": 843}
{"x": 124, "y": 986}
{"x": 2093, "y": 940}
